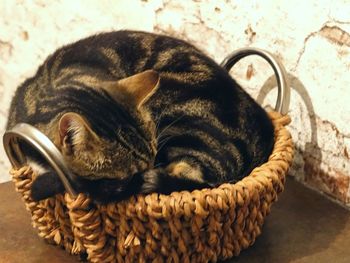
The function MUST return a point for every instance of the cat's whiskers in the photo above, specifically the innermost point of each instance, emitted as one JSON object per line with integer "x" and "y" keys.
{"x": 160, "y": 118}
{"x": 158, "y": 165}
{"x": 164, "y": 142}
{"x": 165, "y": 139}
{"x": 168, "y": 126}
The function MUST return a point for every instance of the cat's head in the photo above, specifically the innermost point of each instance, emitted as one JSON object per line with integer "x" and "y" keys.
{"x": 132, "y": 149}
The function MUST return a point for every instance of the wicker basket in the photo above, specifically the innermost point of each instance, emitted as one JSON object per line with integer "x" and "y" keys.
{"x": 199, "y": 226}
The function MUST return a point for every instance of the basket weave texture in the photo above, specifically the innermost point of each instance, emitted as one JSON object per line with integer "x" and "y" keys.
{"x": 199, "y": 226}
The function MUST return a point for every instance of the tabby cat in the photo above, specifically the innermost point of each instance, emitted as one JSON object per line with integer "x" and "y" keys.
{"x": 135, "y": 112}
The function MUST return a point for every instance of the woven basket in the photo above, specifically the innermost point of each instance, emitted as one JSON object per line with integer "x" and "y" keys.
{"x": 199, "y": 226}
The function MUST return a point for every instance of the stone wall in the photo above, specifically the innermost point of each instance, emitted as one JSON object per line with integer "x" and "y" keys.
{"x": 312, "y": 39}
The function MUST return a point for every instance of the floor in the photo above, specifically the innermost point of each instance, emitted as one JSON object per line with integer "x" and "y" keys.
{"x": 302, "y": 227}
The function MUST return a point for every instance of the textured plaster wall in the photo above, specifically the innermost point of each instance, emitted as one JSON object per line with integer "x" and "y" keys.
{"x": 312, "y": 39}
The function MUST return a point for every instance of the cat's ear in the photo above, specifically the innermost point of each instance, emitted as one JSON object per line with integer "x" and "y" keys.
{"x": 74, "y": 132}
{"x": 139, "y": 87}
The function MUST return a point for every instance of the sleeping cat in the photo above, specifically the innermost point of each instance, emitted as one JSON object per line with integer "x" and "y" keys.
{"x": 135, "y": 112}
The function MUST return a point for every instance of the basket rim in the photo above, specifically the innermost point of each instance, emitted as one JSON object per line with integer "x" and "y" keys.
{"x": 198, "y": 201}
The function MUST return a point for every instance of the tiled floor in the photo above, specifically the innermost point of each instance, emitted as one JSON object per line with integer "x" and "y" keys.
{"x": 302, "y": 227}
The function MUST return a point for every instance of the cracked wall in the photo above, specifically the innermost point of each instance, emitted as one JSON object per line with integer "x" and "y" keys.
{"x": 312, "y": 39}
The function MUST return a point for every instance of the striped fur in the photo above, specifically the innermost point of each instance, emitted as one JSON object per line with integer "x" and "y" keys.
{"x": 194, "y": 128}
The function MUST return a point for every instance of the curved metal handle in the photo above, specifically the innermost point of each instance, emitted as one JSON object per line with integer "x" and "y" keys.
{"x": 43, "y": 145}
{"x": 283, "y": 98}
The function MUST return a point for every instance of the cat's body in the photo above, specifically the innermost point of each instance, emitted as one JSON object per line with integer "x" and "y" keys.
{"x": 137, "y": 112}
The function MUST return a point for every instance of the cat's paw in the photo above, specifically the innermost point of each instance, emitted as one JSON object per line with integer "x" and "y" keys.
{"x": 151, "y": 180}
{"x": 185, "y": 170}
{"x": 175, "y": 177}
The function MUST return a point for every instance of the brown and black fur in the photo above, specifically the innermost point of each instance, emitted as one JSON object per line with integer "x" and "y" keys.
{"x": 194, "y": 127}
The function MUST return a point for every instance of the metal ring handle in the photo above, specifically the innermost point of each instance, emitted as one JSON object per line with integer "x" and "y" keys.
{"x": 283, "y": 98}
{"x": 43, "y": 145}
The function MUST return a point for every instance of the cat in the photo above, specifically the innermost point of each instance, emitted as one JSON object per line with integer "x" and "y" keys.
{"x": 136, "y": 112}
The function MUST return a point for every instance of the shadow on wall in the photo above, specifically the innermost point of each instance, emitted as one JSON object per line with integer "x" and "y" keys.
{"x": 311, "y": 155}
